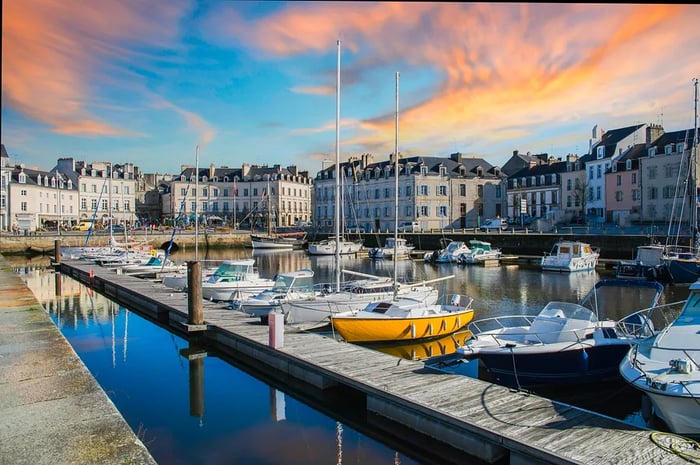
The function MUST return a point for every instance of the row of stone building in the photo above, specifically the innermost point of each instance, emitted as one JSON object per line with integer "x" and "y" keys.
{"x": 638, "y": 173}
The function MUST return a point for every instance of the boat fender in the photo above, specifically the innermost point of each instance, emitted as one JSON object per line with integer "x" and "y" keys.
{"x": 413, "y": 331}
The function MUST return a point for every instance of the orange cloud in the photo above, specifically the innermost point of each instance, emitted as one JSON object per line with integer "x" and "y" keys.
{"x": 57, "y": 54}
{"x": 503, "y": 70}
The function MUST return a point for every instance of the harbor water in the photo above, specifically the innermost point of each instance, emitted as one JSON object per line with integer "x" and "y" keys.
{"x": 189, "y": 406}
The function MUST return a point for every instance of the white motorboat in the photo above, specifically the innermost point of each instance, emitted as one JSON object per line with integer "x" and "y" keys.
{"x": 394, "y": 248}
{"x": 328, "y": 246}
{"x": 666, "y": 367}
{"x": 566, "y": 343}
{"x": 481, "y": 252}
{"x": 353, "y": 296}
{"x": 288, "y": 287}
{"x": 570, "y": 256}
{"x": 448, "y": 254}
{"x": 235, "y": 280}
{"x": 156, "y": 264}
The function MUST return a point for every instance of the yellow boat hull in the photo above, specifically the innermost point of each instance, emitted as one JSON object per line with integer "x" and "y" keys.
{"x": 358, "y": 329}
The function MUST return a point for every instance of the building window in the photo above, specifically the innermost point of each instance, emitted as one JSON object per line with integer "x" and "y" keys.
{"x": 634, "y": 178}
{"x": 387, "y": 192}
{"x": 183, "y": 191}
{"x": 652, "y": 193}
{"x": 462, "y": 190}
{"x": 601, "y": 152}
{"x": 618, "y": 196}
{"x": 442, "y": 211}
{"x": 599, "y": 171}
{"x": 423, "y": 189}
{"x": 597, "y": 193}
{"x": 498, "y": 191}
{"x": 568, "y": 184}
{"x": 652, "y": 172}
{"x": 23, "y": 206}
{"x": 23, "y": 192}
{"x": 619, "y": 180}
{"x": 568, "y": 201}
{"x": 590, "y": 172}
{"x": 93, "y": 204}
{"x": 127, "y": 206}
{"x": 442, "y": 190}
{"x": 424, "y": 210}
{"x": 104, "y": 205}
{"x": 83, "y": 204}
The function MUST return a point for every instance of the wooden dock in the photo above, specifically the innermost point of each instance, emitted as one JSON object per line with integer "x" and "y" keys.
{"x": 486, "y": 421}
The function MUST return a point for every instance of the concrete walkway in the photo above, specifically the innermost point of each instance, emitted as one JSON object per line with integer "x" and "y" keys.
{"x": 52, "y": 411}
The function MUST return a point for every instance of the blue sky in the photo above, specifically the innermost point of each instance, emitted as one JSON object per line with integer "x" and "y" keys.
{"x": 147, "y": 82}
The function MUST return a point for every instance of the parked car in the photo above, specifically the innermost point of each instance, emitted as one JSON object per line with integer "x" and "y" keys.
{"x": 115, "y": 228}
{"x": 496, "y": 223}
{"x": 409, "y": 226}
{"x": 356, "y": 229}
{"x": 83, "y": 226}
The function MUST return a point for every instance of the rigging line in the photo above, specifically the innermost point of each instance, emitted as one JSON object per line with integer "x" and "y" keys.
{"x": 94, "y": 213}
{"x": 177, "y": 220}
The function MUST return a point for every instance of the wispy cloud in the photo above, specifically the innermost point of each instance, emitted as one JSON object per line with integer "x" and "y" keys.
{"x": 57, "y": 55}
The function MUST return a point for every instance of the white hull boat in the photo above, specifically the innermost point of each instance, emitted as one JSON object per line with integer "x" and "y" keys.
{"x": 666, "y": 367}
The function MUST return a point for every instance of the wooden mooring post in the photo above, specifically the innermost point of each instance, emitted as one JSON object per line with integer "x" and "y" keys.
{"x": 195, "y": 307}
{"x": 57, "y": 252}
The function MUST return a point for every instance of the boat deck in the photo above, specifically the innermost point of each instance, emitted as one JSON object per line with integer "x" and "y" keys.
{"x": 486, "y": 421}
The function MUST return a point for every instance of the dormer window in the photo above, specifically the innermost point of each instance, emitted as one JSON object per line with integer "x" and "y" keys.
{"x": 479, "y": 171}
{"x": 424, "y": 170}
{"x": 652, "y": 152}
{"x": 628, "y": 165}
{"x": 542, "y": 180}
{"x": 53, "y": 182}
{"x": 193, "y": 178}
{"x": 668, "y": 149}
{"x": 226, "y": 179}
{"x": 443, "y": 171}
{"x": 680, "y": 146}
{"x": 215, "y": 179}
{"x": 387, "y": 171}
{"x": 70, "y": 184}
{"x": 554, "y": 178}
{"x": 614, "y": 168}
{"x": 22, "y": 178}
{"x": 600, "y": 152}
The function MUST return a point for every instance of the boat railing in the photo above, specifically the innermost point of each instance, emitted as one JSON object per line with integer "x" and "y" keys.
{"x": 680, "y": 364}
{"x": 649, "y": 321}
{"x": 500, "y": 322}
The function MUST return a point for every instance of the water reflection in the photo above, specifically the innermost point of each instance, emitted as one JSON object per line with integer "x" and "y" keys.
{"x": 190, "y": 406}
{"x": 422, "y": 350}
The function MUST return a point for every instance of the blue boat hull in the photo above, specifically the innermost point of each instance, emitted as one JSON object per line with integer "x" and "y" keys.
{"x": 595, "y": 364}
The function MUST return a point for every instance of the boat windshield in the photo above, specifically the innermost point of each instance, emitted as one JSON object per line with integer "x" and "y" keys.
{"x": 454, "y": 245}
{"x": 691, "y": 309}
{"x": 233, "y": 270}
{"x": 153, "y": 261}
{"x": 285, "y": 282}
{"x": 567, "y": 310}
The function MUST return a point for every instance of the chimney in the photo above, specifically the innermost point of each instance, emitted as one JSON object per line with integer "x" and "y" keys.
{"x": 245, "y": 170}
{"x": 515, "y": 153}
{"x": 211, "y": 171}
{"x": 457, "y": 156}
{"x": 654, "y": 131}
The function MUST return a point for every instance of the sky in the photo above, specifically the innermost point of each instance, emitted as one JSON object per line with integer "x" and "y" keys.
{"x": 166, "y": 83}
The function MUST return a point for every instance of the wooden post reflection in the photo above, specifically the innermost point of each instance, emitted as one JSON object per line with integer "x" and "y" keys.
{"x": 196, "y": 355}
{"x": 58, "y": 288}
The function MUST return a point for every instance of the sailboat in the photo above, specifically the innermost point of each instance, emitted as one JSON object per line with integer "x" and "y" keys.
{"x": 344, "y": 245}
{"x": 352, "y": 296}
{"x": 679, "y": 265}
{"x": 402, "y": 319}
{"x": 276, "y": 241}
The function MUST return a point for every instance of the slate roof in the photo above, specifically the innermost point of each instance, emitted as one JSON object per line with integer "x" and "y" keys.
{"x": 471, "y": 166}
{"x": 554, "y": 168}
{"x": 673, "y": 137}
{"x": 3, "y": 152}
{"x": 610, "y": 140}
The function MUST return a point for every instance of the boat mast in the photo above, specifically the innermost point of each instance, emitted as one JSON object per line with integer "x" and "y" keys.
{"x": 196, "y": 202}
{"x": 396, "y": 189}
{"x": 337, "y": 172}
{"x": 693, "y": 185}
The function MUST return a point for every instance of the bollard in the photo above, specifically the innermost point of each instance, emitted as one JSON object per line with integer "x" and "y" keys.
{"x": 57, "y": 251}
{"x": 275, "y": 322}
{"x": 195, "y": 307}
